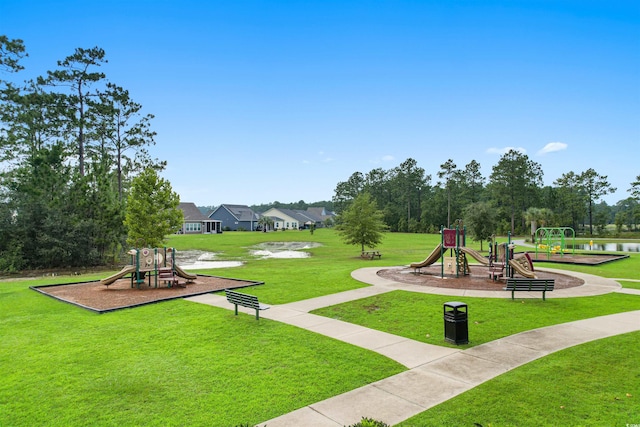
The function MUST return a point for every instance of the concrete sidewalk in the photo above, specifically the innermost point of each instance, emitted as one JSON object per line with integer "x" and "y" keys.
{"x": 402, "y": 396}
{"x": 435, "y": 373}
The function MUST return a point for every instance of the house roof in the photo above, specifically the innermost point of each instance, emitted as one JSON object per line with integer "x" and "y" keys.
{"x": 300, "y": 216}
{"x": 191, "y": 212}
{"x": 320, "y": 213}
{"x": 241, "y": 212}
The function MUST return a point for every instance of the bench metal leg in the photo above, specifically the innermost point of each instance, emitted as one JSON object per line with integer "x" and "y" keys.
{"x": 236, "y": 305}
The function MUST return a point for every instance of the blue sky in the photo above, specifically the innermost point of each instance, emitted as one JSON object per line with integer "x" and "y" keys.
{"x": 258, "y": 101}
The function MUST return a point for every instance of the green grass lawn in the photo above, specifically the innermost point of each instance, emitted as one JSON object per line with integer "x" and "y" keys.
{"x": 171, "y": 364}
{"x": 594, "y": 384}
{"x": 630, "y": 285}
{"x": 181, "y": 363}
{"x": 420, "y": 316}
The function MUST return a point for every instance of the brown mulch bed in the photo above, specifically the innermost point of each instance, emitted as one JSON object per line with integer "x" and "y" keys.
{"x": 120, "y": 294}
{"x": 477, "y": 280}
{"x": 586, "y": 259}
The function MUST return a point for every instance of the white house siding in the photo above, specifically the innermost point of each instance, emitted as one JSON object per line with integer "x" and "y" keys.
{"x": 283, "y": 221}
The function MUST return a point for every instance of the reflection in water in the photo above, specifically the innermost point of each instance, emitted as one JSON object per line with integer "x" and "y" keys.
{"x": 283, "y": 249}
{"x": 280, "y": 254}
{"x": 608, "y": 247}
{"x": 196, "y": 260}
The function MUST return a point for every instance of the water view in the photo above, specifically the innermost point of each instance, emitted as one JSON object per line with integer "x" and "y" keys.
{"x": 195, "y": 260}
{"x": 283, "y": 249}
{"x": 608, "y": 247}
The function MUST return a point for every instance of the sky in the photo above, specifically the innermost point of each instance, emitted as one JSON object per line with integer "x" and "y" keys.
{"x": 263, "y": 101}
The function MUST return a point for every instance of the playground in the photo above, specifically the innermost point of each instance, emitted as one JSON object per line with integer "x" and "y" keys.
{"x": 99, "y": 298}
{"x": 152, "y": 275}
{"x": 161, "y": 345}
{"x": 477, "y": 279}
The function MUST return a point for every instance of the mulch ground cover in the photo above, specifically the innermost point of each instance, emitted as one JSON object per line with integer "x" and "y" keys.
{"x": 590, "y": 259}
{"x": 120, "y": 294}
{"x": 100, "y": 298}
{"x": 478, "y": 279}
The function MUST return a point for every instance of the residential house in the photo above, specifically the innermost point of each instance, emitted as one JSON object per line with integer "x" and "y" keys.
{"x": 235, "y": 217}
{"x": 293, "y": 219}
{"x": 322, "y": 214}
{"x": 197, "y": 223}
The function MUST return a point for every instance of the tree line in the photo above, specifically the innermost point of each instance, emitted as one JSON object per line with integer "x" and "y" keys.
{"x": 71, "y": 143}
{"x": 509, "y": 200}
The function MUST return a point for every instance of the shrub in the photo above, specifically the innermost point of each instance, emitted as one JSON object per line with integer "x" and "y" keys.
{"x": 368, "y": 422}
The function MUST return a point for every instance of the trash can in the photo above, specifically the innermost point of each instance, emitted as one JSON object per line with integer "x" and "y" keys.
{"x": 456, "y": 327}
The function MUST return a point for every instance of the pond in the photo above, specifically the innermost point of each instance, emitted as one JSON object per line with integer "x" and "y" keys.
{"x": 608, "y": 247}
{"x": 283, "y": 249}
{"x": 196, "y": 260}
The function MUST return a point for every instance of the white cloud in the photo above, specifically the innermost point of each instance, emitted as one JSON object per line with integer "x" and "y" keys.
{"x": 552, "y": 147}
{"x": 505, "y": 150}
{"x": 384, "y": 159}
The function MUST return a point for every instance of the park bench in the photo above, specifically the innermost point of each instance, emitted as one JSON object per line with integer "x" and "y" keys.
{"x": 370, "y": 254}
{"x": 526, "y": 284}
{"x": 249, "y": 301}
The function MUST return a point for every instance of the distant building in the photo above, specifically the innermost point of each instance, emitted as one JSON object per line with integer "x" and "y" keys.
{"x": 197, "y": 223}
{"x": 235, "y": 217}
{"x": 322, "y": 214}
{"x": 294, "y": 219}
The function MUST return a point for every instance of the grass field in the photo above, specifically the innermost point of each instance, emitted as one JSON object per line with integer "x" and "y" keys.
{"x": 178, "y": 363}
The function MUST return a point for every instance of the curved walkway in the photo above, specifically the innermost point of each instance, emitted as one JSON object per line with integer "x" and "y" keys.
{"x": 435, "y": 373}
{"x": 593, "y": 285}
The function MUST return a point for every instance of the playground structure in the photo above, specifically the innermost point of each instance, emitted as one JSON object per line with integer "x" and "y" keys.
{"x": 553, "y": 240}
{"x": 148, "y": 263}
{"x": 454, "y": 240}
{"x": 501, "y": 260}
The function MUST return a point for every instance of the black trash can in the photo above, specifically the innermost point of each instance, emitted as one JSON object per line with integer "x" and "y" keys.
{"x": 456, "y": 326}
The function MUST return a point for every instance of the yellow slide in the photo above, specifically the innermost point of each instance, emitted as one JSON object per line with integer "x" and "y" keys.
{"x": 475, "y": 255}
{"x": 433, "y": 257}
{"x": 126, "y": 270}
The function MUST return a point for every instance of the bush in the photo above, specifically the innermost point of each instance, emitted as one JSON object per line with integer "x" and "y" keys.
{"x": 368, "y": 422}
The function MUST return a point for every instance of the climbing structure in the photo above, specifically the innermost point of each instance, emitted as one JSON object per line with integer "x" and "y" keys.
{"x": 151, "y": 264}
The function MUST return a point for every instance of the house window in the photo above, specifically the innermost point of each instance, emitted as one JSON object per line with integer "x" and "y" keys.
{"x": 191, "y": 226}
{"x": 287, "y": 225}
{"x": 294, "y": 225}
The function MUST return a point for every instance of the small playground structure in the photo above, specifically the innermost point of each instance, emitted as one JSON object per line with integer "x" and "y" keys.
{"x": 501, "y": 260}
{"x": 553, "y": 240}
{"x": 151, "y": 264}
{"x": 452, "y": 239}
